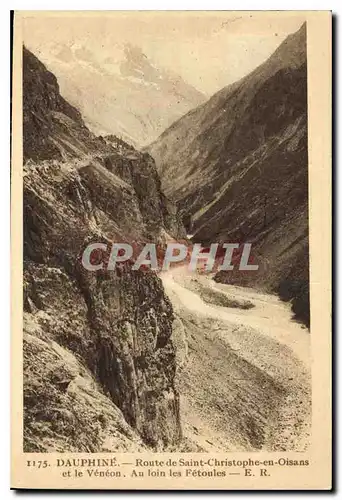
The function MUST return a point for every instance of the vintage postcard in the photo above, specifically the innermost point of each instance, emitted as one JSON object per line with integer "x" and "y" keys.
{"x": 171, "y": 250}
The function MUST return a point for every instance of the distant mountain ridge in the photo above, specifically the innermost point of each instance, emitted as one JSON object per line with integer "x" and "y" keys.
{"x": 126, "y": 95}
{"x": 237, "y": 166}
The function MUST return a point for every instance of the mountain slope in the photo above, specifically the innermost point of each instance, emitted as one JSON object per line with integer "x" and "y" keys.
{"x": 125, "y": 95}
{"x": 237, "y": 167}
{"x": 99, "y": 361}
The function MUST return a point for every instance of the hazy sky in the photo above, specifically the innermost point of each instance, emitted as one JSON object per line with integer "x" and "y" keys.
{"x": 209, "y": 50}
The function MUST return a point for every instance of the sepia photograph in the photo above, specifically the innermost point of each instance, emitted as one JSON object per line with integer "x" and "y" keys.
{"x": 166, "y": 261}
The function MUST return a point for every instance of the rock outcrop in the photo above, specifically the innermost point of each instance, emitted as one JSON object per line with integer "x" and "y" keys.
{"x": 237, "y": 166}
{"x": 99, "y": 361}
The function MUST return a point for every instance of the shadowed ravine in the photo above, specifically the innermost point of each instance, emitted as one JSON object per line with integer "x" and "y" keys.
{"x": 114, "y": 362}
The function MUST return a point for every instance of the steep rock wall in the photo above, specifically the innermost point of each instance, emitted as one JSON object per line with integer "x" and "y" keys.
{"x": 104, "y": 337}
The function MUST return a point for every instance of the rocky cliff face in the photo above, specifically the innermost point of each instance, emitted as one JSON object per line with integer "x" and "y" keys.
{"x": 238, "y": 168}
{"x": 99, "y": 361}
